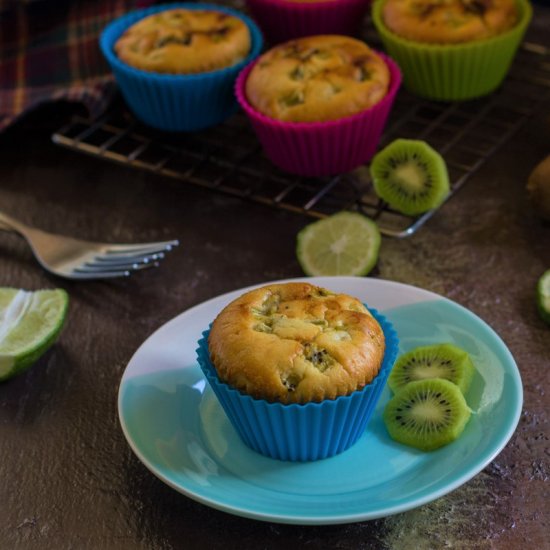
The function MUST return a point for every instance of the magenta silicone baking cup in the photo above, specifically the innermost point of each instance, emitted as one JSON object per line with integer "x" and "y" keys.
{"x": 317, "y": 149}
{"x": 301, "y": 432}
{"x": 282, "y": 20}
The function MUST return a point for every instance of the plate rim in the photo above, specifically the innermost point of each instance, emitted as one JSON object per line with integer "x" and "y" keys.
{"x": 334, "y": 519}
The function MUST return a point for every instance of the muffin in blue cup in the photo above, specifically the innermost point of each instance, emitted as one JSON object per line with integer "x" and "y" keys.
{"x": 298, "y": 369}
{"x": 193, "y": 91}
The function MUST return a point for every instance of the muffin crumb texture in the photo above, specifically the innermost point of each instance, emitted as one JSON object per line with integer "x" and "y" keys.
{"x": 449, "y": 21}
{"x": 295, "y": 343}
{"x": 317, "y": 78}
{"x": 183, "y": 41}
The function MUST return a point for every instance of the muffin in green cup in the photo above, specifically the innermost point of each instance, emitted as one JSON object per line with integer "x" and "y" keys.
{"x": 456, "y": 71}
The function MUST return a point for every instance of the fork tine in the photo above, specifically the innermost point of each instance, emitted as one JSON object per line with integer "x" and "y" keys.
{"x": 108, "y": 254}
{"x": 113, "y": 261}
{"x": 141, "y": 248}
{"x": 98, "y": 268}
{"x": 146, "y": 265}
{"x": 117, "y": 265}
{"x": 97, "y": 275}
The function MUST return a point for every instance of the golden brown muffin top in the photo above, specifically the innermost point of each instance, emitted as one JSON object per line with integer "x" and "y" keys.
{"x": 295, "y": 343}
{"x": 183, "y": 41}
{"x": 317, "y": 78}
{"x": 449, "y": 21}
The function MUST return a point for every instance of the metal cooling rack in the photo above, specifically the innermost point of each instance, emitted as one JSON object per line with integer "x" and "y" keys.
{"x": 228, "y": 158}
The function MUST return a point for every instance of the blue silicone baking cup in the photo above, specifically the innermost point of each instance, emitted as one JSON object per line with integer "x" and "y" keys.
{"x": 301, "y": 432}
{"x": 177, "y": 103}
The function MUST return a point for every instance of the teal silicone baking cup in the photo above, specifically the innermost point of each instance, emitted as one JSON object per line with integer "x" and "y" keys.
{"x": 177, "y": 102}
{"x": 454, "y": 72}
{"x": 301, "y": 432}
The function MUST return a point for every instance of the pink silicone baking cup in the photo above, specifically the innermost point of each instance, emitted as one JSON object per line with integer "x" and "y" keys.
{"x": 318, "y": 149}
{"x": 282, "y": 20}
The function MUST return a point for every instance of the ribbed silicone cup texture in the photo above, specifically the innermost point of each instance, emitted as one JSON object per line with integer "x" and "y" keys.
{"x": 301, "y": 432}
{"x": 282, "y": 20}
{"x": 177, "y": 103}
{"x": 458, "y": 71}
{"x": 317, "y": 149}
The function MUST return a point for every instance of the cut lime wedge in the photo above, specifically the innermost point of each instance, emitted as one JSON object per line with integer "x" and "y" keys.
{"x": 543, "y": 296}
{"x": 346, "y": 243}
{"x": 29, "y": 324}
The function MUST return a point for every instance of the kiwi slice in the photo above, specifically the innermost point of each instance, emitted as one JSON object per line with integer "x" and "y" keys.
{"x": 410, "y": 176}
{"x": 438, "y": 361}
{"x": 538, "y": 188}
{"x": 543, "y": 296}
{"x": 427, "y": 414}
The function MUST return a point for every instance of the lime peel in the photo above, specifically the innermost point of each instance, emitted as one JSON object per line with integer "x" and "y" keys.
{"x": 30, "y": 322}
{"x": 6, "y": 364}
{"x": 346, "y": 243}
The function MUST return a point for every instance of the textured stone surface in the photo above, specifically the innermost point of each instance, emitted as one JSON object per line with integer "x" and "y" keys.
{"x": 67, "y": 476}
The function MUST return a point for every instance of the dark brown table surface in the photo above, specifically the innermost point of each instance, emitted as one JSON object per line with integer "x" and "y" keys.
{"x": 68, "y": 478}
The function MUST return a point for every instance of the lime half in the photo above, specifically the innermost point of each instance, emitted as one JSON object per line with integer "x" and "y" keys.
{"x": 543, "y": 296}
{"x": 29, "y": 324}
{"x": 346, "y": 243}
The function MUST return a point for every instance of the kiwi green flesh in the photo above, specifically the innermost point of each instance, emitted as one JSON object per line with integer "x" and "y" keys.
{"x": 538, "y": 188}
{"x": 427, "y": 414}
{"x": 438, "y": 361}
{"x": 410, "y": 176}
{"x": 543, "y": 296}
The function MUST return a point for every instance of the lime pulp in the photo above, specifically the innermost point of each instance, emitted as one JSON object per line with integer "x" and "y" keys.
{"x": 346, "y": 243}
{"x": 30, "y": 322}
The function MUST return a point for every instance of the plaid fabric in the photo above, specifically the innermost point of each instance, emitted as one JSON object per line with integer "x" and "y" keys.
{"x": 49, "y": 51}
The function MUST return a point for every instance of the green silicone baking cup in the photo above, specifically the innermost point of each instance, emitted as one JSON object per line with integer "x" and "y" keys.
{"x": 458, "y": 71}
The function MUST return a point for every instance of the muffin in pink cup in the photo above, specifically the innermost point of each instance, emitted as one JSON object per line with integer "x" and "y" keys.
{"x": 282, "y": 20}
{"x": 319, "y": 104}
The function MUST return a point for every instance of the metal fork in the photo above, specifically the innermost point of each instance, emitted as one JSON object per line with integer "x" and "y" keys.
{"x": 77, "y": 259}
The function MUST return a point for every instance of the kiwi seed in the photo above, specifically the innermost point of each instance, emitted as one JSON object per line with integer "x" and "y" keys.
{"x": 438, "y": 361}
{"x": 427, "y": 414}
{"x": 410, "y": 176}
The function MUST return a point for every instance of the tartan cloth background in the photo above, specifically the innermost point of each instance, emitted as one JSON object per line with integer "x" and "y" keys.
{"x": 49, "y": 51}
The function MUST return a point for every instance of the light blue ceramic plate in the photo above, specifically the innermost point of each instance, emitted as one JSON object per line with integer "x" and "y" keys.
{"x": 176, "y": 427}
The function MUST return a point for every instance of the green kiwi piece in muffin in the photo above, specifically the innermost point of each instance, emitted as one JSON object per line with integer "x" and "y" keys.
{"x": 410, "y": 176}
{"x": 427, "y": 414}
{"x": 438, "y": 361}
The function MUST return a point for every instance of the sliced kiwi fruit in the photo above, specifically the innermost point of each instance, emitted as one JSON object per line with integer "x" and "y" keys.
{"x": 538, "y": 188}
{"x": 427, "y": 414}
{"x": 543, "y": 296}
{"x": 410, "y": 176}
{"x": 438, "y": 361}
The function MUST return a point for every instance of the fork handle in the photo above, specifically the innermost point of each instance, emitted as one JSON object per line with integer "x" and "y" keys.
{"x": 7, "y": 223}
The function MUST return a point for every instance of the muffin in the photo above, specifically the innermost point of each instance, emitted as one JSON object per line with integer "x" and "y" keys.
{"x": 449, "y": 22}
{"x": 316, "y": 79}
{"x": 184, "y": 41}
{"x": 176, "y": 64}
{"x": 297, "y": 368}
{"x": 295, "y": 343}
{"x": 319, "y": 104}
{"x": 283, "y": 20}
{"x": 452, "y": 50}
